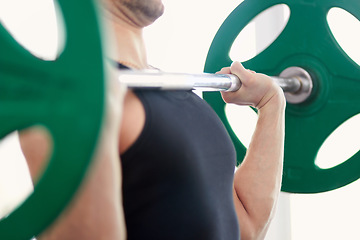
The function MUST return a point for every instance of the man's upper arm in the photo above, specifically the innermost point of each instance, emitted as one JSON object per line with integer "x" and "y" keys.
{"x": 36, "y": 146}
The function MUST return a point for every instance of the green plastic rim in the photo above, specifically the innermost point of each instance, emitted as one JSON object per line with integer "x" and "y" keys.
{"x": 66, "y": 96}
{"x": 306, "y": 42}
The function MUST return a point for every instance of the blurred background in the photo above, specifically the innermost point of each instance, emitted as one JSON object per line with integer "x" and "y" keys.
{"x": 179, "y": 42}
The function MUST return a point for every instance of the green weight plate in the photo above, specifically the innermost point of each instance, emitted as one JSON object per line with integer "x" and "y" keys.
{"x": 67, "y": 97}
{"x": 306, "y": 42}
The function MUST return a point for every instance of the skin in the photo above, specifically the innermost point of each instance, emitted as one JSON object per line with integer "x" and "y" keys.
{"x": 257, "y": 181}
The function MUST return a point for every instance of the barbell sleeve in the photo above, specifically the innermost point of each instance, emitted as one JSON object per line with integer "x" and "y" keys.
{"x": 204, "y": 81}
{"x": 290, "y": 84}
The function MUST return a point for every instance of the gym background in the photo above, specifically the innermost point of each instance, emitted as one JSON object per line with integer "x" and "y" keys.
{"x": 178, "y": 42}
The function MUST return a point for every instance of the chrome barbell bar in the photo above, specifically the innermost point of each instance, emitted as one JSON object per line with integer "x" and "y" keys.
{"x": 295, "y": 82}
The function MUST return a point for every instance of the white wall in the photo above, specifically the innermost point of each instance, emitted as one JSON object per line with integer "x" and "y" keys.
{"x": 179, "y": 42}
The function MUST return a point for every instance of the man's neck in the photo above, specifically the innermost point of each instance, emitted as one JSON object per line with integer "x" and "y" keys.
{"x": 128, "y": 43}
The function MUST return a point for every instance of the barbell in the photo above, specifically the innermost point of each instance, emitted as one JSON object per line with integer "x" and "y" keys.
{"x": 51, "y": 93}
{"x": 295, "y": 82}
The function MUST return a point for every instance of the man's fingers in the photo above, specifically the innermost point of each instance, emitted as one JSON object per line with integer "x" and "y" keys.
{"x": 238, "y": 69}
{"x": 225, "y": 70}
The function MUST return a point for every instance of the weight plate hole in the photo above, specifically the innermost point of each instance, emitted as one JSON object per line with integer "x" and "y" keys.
{"x": 36, "y": 25}
{"x": 346, "y": 31}
{"x": 260, "y": 32}
{"x": 242, "y": 121}
{"x": 340, "y": 145}
{"x": 16, "y": 184}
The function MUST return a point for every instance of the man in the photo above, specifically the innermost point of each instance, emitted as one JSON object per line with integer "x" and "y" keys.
{"x": 178, "y": 166}
{"x": 177, "y": 159}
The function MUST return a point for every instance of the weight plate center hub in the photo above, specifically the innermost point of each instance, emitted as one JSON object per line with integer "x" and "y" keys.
{"x": 315, "y": 85}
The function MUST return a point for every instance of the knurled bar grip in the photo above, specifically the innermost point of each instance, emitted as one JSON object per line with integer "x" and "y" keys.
{"x": 185, "y": 81}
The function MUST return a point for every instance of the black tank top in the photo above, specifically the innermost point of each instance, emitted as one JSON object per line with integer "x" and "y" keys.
{"x": 178, "y": 175}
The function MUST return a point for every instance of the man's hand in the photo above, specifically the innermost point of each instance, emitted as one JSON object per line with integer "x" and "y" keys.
{"x": 257, "y": 89}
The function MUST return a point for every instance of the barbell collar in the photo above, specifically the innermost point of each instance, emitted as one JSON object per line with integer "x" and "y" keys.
{"x": 305, "y": 81}
{"x": 291, "y": 84}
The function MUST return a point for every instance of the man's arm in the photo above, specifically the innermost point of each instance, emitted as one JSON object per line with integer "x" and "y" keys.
{"x": 257, "y": 181}
{"x": 96, "y": 211}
